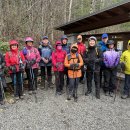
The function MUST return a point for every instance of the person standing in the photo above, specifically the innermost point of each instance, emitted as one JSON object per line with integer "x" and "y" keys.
{"x": 2, "y": 79}
{"x": 32, "y": 58}
{"x": 125, "y": 64}
{"x": 102, "y": 46}
{"x": 46, "y": 62}
{"x": 93, "y": 61}
{"x": 111, "y": 60}
{"x": 65, "y": 47}
{"x": 58, "y": 57}
{"x": 81, "y": 51}
{"x": 73, "y": 62}
{"x": 15, "y": 62}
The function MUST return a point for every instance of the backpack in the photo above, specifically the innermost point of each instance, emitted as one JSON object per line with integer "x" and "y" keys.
{"x": 69, "y": 57}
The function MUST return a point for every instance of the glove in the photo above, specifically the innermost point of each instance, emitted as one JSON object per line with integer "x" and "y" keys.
{"x": 24, "y": 51}
{"x": 76, "y": 65}
{"x": 32, "y": 62}
{"x": 21, "y": 67}
{"x": 122, "y": 65}
{"x": 58, "y": 64}
{"x": 96, "y": 60}
{"x": 72, "y": 66}
{"x": 13, "y": 68}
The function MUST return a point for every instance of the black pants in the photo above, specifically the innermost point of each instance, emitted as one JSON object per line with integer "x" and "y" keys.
{"x": 2, "y": 86}
{"x": 32, "y": 84}
{"x": 127, "y": 85}
{"x": 101, "y": 77}
{"x": 66, "y": 74}
{"x": 82, "y": 71}
{"x": 17, "y": 80}
{"x": 90, "y": 75}
{"x": 59, "y": 80}
{"x": 43, "y": 72}
{"x": 110, "y": 79}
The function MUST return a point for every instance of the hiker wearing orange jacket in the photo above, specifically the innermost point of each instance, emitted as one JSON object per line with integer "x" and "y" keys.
{"x": 73, "y": 62}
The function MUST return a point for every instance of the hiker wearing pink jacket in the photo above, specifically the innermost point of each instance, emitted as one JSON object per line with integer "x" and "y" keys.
{"x": 32, "y": 58}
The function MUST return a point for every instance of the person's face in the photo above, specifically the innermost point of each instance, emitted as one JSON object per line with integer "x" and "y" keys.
{"x": 111, "y": 46}
{"x": 92, "y": 43}
{"x": 64, "y": 41}
{"x": 29, "y": 43}
{"x": 14, "y": 46}
{"x": 45, "y": 41}
{"x": 105, "y": 39}
{"x": 79, "y": 38}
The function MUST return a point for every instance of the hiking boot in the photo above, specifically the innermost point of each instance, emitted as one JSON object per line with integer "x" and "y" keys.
{"x": 111, "y": 94}
{"x": 82, "y": 82}
{"x": 34, "y": 92}
{"x": 69, "y": 97}
{"x": 2, "y": 102}
{"x": 58, "y": 93}
{"x": 88, "y": 93}
{"x": 17, "y": 98}
{"x": 75, "y": 99}
{"x": 42, "y": 83}
{"x": 106, "y": 93}
{"x": 22, "y": 97}
{"x": 124, "y": 96}
{"x": 30, "y": 92}
{"x": 97, "y": 95}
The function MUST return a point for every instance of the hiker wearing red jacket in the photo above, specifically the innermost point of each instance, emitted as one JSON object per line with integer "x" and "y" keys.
{"x": 58, "y": 57}
{"x": 15, "y": 62}
{"x": 81, "y": 51}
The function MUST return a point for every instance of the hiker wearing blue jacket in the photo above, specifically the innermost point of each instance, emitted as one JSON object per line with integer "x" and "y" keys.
{"x": 102, "y": 46}
{"x": 65, "y": 47}
{"x": 45, "y": 51}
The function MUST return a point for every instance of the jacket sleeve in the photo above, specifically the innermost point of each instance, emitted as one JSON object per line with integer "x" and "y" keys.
{"x": 117, "y": 59}
{"x": 22, "y": 57}
{"x": 85, "y": 58}
{"x": 38, "y": 57}
{"x": 105, "y": 60}
{"x": 53, "y": 59}
{"x": 7, "y": 59}
{"x": 100, "y": 56}
{"x": 66, "y": 63}
{"x": 122, "y": 58}
{"x": 39, "y": 49}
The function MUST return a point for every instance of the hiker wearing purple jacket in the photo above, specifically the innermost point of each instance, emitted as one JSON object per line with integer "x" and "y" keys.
{"x": 111, "y": 60}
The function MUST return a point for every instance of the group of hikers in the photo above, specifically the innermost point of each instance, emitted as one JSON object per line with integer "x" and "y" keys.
{"x": 74, "y": 61}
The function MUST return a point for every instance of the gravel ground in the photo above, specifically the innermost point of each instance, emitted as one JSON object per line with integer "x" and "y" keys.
{"x": 55, "y": 113}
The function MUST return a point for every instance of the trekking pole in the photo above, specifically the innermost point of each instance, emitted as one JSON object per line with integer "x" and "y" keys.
{"x": 117, "y": 86}
{"x": 85, "y": 68}
{"x": 2, "y": 89}
{"x": 33, "y": 83}
{"x": 93, "y": 79}
{"x": 22, "y": 81}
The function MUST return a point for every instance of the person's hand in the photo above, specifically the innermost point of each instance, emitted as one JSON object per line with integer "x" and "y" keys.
{"x": 122, "y": 65}
{"x": 76, "y": 65}
{"x": 72, "y": 66}
{"x": 96, "y": 60}
{"x": 45, "y": 60}
{"x": 32, "y": 62}
{"x": 13, "y": 68}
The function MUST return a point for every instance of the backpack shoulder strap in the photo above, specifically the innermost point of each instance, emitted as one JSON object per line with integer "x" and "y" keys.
{"x": 69, "y": 56}
{"x": 96, "y": 51}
